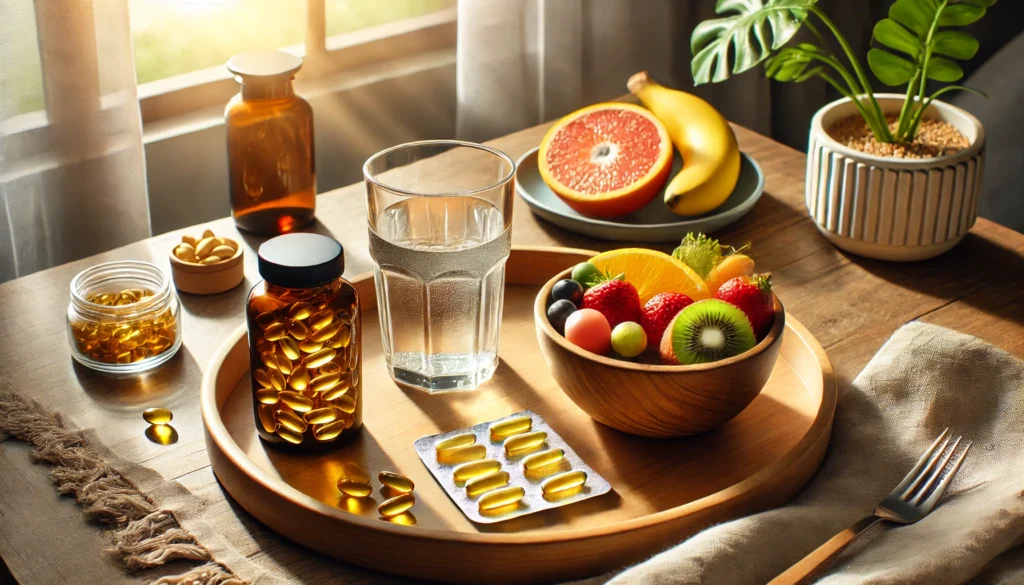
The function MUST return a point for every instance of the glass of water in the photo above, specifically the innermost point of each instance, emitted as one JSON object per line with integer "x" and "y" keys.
{"x": 440, "y": 219}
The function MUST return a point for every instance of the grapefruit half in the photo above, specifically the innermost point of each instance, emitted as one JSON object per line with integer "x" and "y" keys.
{"x": 606, "y": 160}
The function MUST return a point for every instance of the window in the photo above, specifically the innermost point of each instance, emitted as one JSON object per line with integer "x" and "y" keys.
{"x": 21, "y": 82}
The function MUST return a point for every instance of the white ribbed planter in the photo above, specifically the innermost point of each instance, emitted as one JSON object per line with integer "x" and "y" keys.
{"x": 888, "y": 208}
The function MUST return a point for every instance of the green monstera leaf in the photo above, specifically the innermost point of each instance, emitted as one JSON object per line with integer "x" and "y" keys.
{"x": 748, "y": 29}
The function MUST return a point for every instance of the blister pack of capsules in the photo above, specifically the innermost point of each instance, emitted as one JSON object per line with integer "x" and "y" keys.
{"x": 510, "y": 467}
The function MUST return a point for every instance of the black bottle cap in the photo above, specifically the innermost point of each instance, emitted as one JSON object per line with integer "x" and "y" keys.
{"x": 301, "y": 260}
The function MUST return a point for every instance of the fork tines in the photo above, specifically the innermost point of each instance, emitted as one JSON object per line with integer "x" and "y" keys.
{"x": 930, "y": 477}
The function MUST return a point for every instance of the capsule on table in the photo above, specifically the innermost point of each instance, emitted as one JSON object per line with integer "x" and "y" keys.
{"x": 396, "y": 481}
{"x": 563, "y": 482}
{"x": 462, "y": 454}
{"x": 486, "y": 483}
{"x": 157, "y": 416}
{"x": 474, "y": 469}
{"x": 356, "y": 489}
{"x": 511, "y": 427}
{"x": 354, "y": 471}
{"x": 396, "y": 505}
{"x": 525, "y": 442}
{"x": 296, "y": 401}
{"x": 542, "y": 459}
{"x": 454, "y": 443}
{"x": 500, "y": 498}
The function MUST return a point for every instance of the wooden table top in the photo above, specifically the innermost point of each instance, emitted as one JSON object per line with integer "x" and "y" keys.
{"x": 850, "y": 304}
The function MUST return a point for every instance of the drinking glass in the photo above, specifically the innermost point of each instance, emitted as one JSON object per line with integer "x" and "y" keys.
{"x": 440, "y": 218}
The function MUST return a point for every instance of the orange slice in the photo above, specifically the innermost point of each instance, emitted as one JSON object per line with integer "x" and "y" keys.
{"x": 652, "y": 272}
{"x": 606, "y": 160}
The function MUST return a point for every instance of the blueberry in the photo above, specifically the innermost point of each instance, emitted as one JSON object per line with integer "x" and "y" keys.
{"x": 568, "y": 290}
{"x": 558, "y": 312}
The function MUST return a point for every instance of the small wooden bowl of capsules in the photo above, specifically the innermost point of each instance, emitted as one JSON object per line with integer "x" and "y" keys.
{"x": 207, "y": 265}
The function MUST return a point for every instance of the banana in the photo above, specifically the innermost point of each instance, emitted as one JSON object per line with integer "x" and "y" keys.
{"x": 711, "y": 157}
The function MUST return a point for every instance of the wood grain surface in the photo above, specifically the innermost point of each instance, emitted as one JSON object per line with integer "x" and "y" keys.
{"x": 850, "y": 304}
{"x": 662, "y": 490}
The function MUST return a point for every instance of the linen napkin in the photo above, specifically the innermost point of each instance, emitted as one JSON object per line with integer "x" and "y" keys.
{"x": 924, "y": 379}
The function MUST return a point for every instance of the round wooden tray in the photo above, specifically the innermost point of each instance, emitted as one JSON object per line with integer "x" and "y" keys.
{"x": 662, "y": 490}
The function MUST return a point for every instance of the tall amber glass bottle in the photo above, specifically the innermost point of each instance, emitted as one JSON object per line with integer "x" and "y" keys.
{"x": 270, "y": 146}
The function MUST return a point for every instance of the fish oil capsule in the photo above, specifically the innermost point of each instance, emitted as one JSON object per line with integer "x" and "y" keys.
{"x": 205, "y": 246}
{"x": 299, "y": 378}
{"x": 275, "y": 331}
{"x": 396, "y": 481}
{"x": 288, "y": 434}
{"x": 265, "y": 320}
{"x": 328, "y": 431}
{"x": 345, "y": 403}
{"x": 310, "y": 346}
{"x": 354, "y": 471}
{"x": 208, "y": 233}
{"x": 563, "y": 482}
{"x": 269, "y": 359}
{"x": 474, "y": 469}
{"x": 486, "y": 483}
{"x": 268, "y": 396}
{"x": 290, "y": 348}
{"x": 185, "y": 252}
{"x": 157, "y": 416}
{"x": 396, "y": 505}
{"x": 542, "y": 459}
{"x": 262, "y": 378}
{"x": 300, "y": 311}
{"x": 454, "y": 442}
{"x": 356, "y": 489}
{"x": 291, "y": 420}
{"x": 211, "y": 259}
{"x": 334, "y": 393}
{"x": 298, "y": 330}
{"x": 325, "y": 382}
{"x": 266, "y": 413}
{"x": 525, "y": 442}
{"x": 320, "y": 416}
{"x": 187, "y": 239}
{"x": 501, "y": 497}
{"x": 321, "y": 319}
{"x": 223, "y": 251}
{"x": 277, "y": 380}
{"x": 327, "y": 332}
{"x": 296, "y": 401}
{"x": 284, "y": 364}
{"x": 511, "y": 427}
{"x": 330, "y": 368}
{"x": 461, "y": 454}
{"x": 315, "y": 360}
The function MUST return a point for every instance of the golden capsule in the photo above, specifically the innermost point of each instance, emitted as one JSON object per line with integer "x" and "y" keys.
{"x": 330, "y": 368}
{"x": 315, "y": 360}
{"x": 456, "y": 441}
{"x": 288, "y": 434}
{"x": 500, "y": 498}
{"x": 205, "y": 246}
{"x": 284, "y": 364}
{"x": 268, "y": 396}
{"x": 208, "y": 233}
{"x": 396, "y": 481}
{"x": 299, "y": 378}
{"x": 354, "y": 471}
{"x": 396, "y": 505}
{"x": 326, "y": 332}
{"x": 321, "y": 416}
{"x": 277, "y": 380}
{"x": 185, "y": 252}
{"x": 269, "y": 359}
{"x": 162, "y": 434}
{"x": 461, "y": 454}
{"x": 473, "y": 469}
{"x": 275, "y": 331}
{"x": 325, "y": 382}
{"x": 265, "y": 320}
{"x": 310, "y": 346}
{"x": 356, "y": 489}
{"x": 262, "y": 378}
{"x": 223, "y": 251}
{"x": 262, "y": 345}
{"x": 511, "y": 427}
{"x": 334, "y": 393}
{"x": 298, "y": 330}
{"x": 329, "y": 431}
{"x": 486, "y": 483}
{"x": 291, "y": 420}
{"x": 211, "y": 259}
{"x": 345, "y": 403}
{"x": 296, "y": 401}
{"x": 300, "y": 311}
{"x": 563, "y": 482}
{"x": 187, "y": 239}
{"x": 289, "y": 348}
{"x": 157, "y": 416}
{"x": 228, "y": 242}
{"x": 266, "y": 413}
{"x": 525, "y": 442}
{"x": 321, "y": 319}
{"x": 542, "y": 459}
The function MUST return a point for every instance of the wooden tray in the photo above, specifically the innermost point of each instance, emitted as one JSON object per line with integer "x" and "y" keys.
{"x": 662, "y": 490}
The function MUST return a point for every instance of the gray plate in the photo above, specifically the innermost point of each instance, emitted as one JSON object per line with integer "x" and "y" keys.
{"x": 654, "y": 223}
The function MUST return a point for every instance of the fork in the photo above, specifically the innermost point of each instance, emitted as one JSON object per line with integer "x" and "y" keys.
{"x": 909, "y": 502}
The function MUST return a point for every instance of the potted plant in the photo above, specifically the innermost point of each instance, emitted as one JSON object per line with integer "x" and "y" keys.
{"x": 889, "y": 176}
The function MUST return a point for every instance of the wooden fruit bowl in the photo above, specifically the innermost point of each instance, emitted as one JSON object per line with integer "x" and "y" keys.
{"x": 656, "y": 400}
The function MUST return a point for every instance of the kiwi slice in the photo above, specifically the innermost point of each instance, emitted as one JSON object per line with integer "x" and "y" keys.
{"x": 708, "y": 331}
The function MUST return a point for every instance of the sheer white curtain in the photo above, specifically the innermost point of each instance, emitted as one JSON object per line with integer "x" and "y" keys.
{"x": 72, "y": 177}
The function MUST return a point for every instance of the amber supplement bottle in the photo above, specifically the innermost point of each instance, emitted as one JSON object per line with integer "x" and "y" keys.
{"x": 270, "y": 145}
{"x": 305, "y": 344}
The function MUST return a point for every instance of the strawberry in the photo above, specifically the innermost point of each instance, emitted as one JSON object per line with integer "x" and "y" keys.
{"x": 659, "y": 312}
{"x": 617, "y": 300}
{"x": 753, "y": 296}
